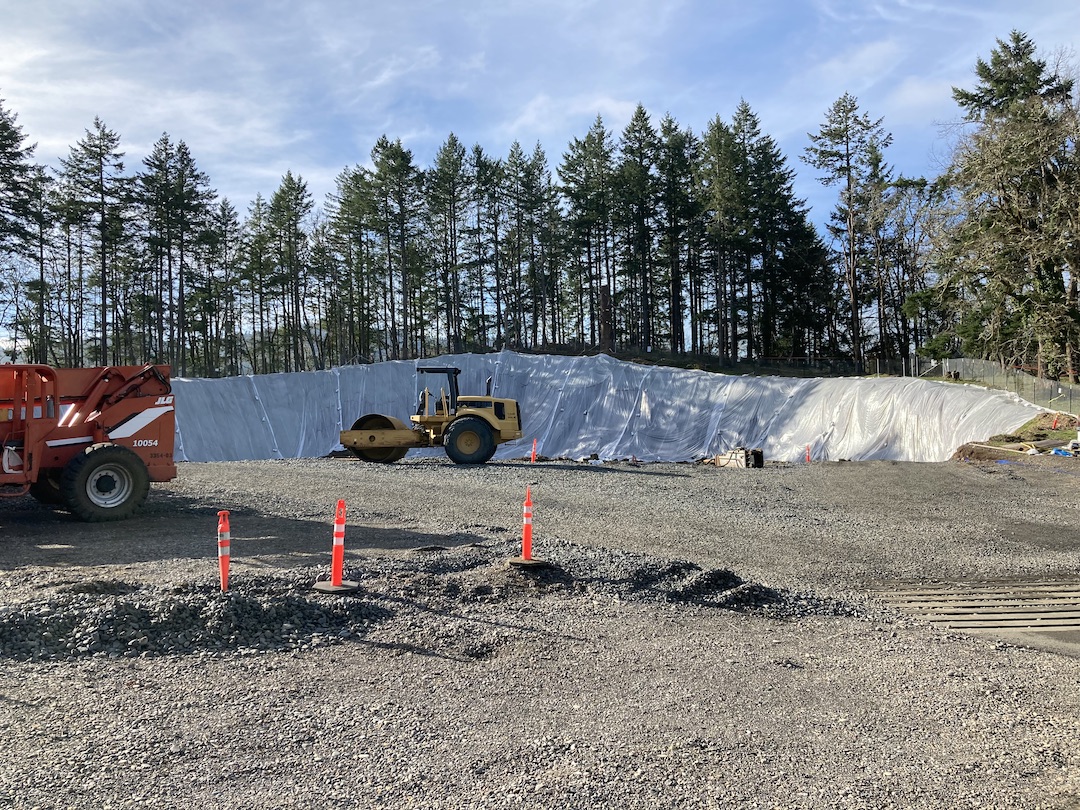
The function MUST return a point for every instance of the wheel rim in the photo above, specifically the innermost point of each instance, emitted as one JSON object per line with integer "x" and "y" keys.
{"x": 109, "y": 486}
{"x": 468, "y": 442}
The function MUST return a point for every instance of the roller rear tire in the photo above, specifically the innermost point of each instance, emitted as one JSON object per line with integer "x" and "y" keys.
{"x": 469, "y": 440}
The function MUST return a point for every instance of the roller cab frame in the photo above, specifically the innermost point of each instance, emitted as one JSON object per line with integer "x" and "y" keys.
{"x": 88, "y": 439}
{"x": 468, "y": 427}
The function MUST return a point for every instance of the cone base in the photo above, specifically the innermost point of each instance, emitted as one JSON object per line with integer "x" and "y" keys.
{"x": 521, "y": 562}
{"x": 346, "y": 586}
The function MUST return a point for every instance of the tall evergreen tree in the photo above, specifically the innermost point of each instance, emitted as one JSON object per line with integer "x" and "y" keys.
{"x": 587, "y": 173}
{"x": 636, "y": 210}
{"x": 447, "y": 197}
{"x": 397, "y": 183}
{"x": 842, "y": 150}
{"x": 193, "y": 198}
{"x": 352, "y": 214}
{"x": 725, "y": 213}
{"x": 95, "y": 170}
{"x": 1014, "y": 75}
{"x": 15, "y": 180}
{"x": 1012, "y": 251}
{"x": 39, "y": 245}
{"x": 287, "y": 215}
{"x": 485, "y": 232}
{"x": 256, "y": 273}
{"x": 678, "y": 209}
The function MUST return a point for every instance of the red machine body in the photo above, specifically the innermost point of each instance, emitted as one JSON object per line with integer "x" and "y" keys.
{"x": 88, "y": 438}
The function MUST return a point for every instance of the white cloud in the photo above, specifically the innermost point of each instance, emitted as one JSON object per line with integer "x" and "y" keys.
{"x": 554, "y": 121}
{"x": 256, "y": 88}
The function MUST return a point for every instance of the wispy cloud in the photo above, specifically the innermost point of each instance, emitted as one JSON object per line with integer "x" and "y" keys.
{"x": 258, "y": 87}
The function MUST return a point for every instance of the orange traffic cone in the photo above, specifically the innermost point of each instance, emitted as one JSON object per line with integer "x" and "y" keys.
{"x": 526, "y": 557}
{"x": 223, "y": 551}
{"x": 532, "y": 460}
{"x": 337, "y": 560}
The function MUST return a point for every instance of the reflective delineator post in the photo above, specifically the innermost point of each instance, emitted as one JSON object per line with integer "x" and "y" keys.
{"x": 533, "y": 459}
{"x": 526, "y": 557}
{"x": 223, "y": 551}
{"x": 337, "y": 559}
{"x": 807, "y": 454}
{"x": 526, "y": 527}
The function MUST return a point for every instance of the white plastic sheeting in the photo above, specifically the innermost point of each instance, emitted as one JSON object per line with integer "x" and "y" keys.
{"x": 580, "y": 407}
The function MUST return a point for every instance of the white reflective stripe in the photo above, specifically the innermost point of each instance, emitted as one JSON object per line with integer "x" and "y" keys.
{"x": 139, "y": 421}
{"x": 63, "y": 442}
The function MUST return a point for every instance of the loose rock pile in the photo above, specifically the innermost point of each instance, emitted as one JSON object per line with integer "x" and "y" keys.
{"x": 113, "y": 618}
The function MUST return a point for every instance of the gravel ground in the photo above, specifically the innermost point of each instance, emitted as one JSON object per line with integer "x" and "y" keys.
{"x": 703, "y": 638}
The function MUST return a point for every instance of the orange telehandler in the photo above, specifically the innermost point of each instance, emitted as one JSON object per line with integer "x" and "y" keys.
{"x": 90, "y": 439}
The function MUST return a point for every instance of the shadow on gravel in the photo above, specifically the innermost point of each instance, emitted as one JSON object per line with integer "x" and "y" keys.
{"x": 586, "y": 467}
{"x": 171, "y": 527}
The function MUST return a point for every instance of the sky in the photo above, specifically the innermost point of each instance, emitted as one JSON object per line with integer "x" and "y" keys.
{"x": 256, "y": 89}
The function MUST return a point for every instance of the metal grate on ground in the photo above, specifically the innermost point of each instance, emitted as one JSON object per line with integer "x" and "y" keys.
{"x": 1040, "y": 613}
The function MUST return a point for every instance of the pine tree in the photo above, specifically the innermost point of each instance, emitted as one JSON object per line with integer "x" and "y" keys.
{"x": 485, "y": 235}
{"x": 724, "y": 205}
{"x": 361, "y": 285}
{"x": 1012, "y": 76}
{"x": 255, "y": 276}
{"x": 95, "y": 170}
{"x": 678, "y": 208}
{"x": 397, "y": 184}
{"x": 448, "y": 192}
{"x": 587, "y": 173}
{"x": 1012, "y": 252}
{"x": 636, "y": 209}
{"x": 842, "y": 150}
{"x": 287, "y": 214}
{"x": 39, "y": 244}
{"x": 192, "y": 199}
{"x": 15, "y": 181}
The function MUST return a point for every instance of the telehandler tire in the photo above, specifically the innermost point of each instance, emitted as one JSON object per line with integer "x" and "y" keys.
{"x": 469, "y": 440}
{"x": 104, "y": 482}
{"x": 46, "y": 489}
{"x": 378, "y": 455}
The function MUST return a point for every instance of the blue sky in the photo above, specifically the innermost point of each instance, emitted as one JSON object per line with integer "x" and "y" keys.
{"x": 258, "y": 88}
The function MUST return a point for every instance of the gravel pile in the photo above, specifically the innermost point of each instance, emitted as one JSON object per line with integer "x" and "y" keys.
{"x": 114, "y": 619}
{"x": 700, "y": 639}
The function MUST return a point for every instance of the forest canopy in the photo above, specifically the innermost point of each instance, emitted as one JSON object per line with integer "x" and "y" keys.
{"x": 655, "y": 239}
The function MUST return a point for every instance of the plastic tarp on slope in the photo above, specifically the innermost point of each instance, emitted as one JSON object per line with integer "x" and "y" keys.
{"x": 581, "y": 407}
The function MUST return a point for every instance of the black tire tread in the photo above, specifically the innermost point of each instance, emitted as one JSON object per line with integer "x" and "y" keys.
{"x": 73, "y": 482}
{"x": 469, "y": 424}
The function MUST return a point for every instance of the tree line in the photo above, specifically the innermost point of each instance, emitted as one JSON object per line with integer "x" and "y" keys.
{"x": 655, "y": 239}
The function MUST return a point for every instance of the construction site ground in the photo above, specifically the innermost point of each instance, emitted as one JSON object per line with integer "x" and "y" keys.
{"x": 702, "y": 637}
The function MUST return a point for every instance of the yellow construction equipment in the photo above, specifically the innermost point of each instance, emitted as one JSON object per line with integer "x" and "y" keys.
{"x": 468, "y": 427}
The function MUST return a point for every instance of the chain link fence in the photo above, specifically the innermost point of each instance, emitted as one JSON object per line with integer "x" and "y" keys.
{"x": 1050, "y": 394}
